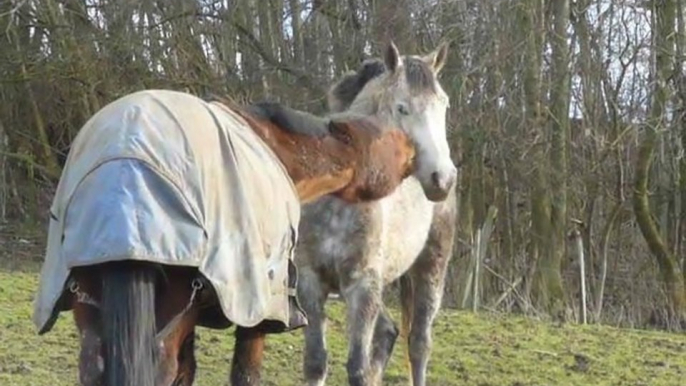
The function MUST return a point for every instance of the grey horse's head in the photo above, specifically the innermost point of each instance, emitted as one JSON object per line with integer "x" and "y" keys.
{"x": 404, "y": 91}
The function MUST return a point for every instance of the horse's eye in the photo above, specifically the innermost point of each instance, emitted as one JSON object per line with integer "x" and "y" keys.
{"x": 403, "y": 110}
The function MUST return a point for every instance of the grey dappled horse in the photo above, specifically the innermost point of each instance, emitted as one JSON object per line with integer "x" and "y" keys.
{"x": 355, "y": 250}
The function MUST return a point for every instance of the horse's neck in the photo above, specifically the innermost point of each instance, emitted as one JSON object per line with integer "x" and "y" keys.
{"x": 318, "y": 165}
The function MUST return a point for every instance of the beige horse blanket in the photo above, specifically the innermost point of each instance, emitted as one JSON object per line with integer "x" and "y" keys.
{"x": 165, "y": 177}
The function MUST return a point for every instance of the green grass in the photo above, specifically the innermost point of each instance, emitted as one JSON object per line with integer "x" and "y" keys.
{"x": 479, "y": 350}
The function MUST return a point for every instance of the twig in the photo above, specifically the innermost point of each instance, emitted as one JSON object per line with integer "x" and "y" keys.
{"x": 549, "y": 353}
{"x": 256, "y": 46}
{"x": 27, "y": 159}
{"x": 514, "y": 289}
{"x": 504, "y": 295}
{"x": 11, "y": 13}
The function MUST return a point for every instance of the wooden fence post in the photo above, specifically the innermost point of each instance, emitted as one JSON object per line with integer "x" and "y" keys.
{"x": 480, "y": 248}
{"x": 579, "y": 243}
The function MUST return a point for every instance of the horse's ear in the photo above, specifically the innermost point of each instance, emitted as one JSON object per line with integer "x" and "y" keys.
{"x": 436, "y": 60}
{"x": 392, "y": 57}
{"x": 341, "y": 131}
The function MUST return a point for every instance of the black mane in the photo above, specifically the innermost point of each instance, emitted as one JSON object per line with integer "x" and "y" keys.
{"x": 418, "y": 74}
{"x": 346, "y": 90}
{"x": 289, "y": 119}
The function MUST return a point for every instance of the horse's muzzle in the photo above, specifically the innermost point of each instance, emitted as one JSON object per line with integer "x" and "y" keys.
{"x": 441, "y": 184}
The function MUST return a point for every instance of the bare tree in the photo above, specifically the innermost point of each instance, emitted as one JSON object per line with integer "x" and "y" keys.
{"x": 663, "y": 40}
{"x": 555, "y": 117}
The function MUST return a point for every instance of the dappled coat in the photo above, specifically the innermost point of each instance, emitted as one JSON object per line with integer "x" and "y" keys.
{"x": 166, "y": 177}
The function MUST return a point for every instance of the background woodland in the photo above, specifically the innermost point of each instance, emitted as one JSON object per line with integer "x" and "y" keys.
{"x": 567, "y": 118}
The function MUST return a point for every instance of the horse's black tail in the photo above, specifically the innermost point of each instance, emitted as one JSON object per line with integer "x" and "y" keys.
{"x": 128, "y": 324}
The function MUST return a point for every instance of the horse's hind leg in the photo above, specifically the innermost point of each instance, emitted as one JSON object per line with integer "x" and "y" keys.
{"x": 187, "y": 363}
{"x": 91, "y": 362}
{"x": 313, "y": 297}
{"x": 87, "y": 320}
{"x": 175, "y": 345}
{"x": 363, "y": 298}
{"x": 248, "y": 353}
{"x": 385, "y": 335}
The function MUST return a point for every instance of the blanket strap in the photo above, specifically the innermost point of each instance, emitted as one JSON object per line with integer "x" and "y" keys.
{"x": 82, "y": 297}
{"x": 197, "y": 285}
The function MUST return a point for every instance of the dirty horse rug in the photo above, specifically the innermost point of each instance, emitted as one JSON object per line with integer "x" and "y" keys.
{"x": 165, "y": 177}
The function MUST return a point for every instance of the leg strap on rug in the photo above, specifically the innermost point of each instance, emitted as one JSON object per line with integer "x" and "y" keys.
{"x": 197, "y": 285}
{"x": 82, "y": 297}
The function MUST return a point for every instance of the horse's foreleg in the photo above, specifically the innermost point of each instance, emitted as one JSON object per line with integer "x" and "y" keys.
{"x": 422, "y": 289}
{"x": 427, "y": 283}
{"x": 91, "y": 361}
{"x": 246, "y": 366}
{"x": 364, "y": 303}
{"x": 427, "y": 303}
{"x": 313, "y": 296}
{"x": 385, "y": 336}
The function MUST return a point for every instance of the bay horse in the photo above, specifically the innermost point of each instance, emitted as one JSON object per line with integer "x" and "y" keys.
{"x": 357, "y": 249}
{"x": 174, "y": 212}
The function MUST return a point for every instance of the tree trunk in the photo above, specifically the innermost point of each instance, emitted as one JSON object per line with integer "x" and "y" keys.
{"x": 680, "y": 82}
{"x": 558, "y": 120}
{"x": 548, "y": 196}
{"x": 663, "y": 30}
{"x": 4, "y": 187}
{"x": 392, "y": 22}
{"x": 294, "y": 6}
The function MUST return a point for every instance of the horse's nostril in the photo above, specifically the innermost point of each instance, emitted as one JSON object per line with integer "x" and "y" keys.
{"x": 436, "y": 179}
{"x": 444, "y": 181}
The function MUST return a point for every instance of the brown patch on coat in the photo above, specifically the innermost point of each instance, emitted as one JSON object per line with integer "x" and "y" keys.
{"x": 388, "y": 159}
{"x": 355, "y": 160}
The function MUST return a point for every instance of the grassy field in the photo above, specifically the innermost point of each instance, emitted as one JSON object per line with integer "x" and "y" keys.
{"x": 480, "y": 350}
